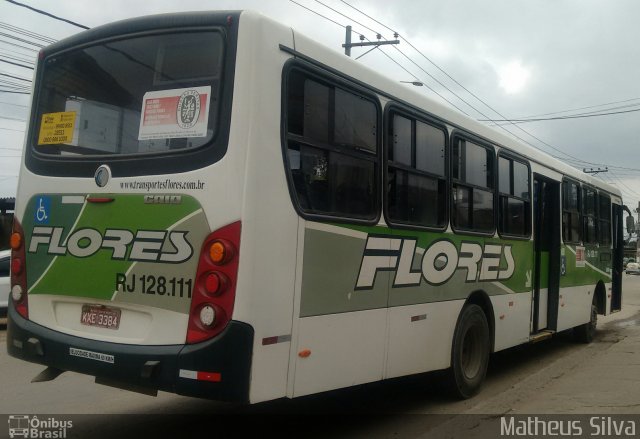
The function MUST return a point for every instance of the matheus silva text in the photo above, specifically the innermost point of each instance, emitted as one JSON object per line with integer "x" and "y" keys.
{"x": 568, "y": 426}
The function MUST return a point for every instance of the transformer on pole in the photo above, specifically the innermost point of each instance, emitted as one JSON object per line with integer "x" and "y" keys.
{"x": 348, "y": 44}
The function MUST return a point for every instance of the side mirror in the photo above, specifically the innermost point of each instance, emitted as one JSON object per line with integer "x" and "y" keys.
{"x": 631, "y": 225}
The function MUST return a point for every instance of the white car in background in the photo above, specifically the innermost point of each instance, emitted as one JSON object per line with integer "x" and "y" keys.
{"x": 632, "y": 268}
{"x": 5, "y": 260}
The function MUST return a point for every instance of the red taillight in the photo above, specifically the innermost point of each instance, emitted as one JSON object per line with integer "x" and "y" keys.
{"x": 16, "y": 266}
{"x": 215, "y": 282}
{"x": 18, "y": 270}
{"x": 215, "y": 289}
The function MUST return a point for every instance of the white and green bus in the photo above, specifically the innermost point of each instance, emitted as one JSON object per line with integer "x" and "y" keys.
{"x": 215, "y": 205}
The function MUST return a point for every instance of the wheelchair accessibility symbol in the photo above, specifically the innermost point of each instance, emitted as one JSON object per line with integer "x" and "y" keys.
{"x": 43, "y": 210}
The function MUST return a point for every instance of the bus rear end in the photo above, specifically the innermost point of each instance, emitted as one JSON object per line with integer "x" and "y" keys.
{"x": 126, "y": 244}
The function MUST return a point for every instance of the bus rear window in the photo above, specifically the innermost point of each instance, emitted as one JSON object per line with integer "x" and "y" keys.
{"x": 149, "y": 94}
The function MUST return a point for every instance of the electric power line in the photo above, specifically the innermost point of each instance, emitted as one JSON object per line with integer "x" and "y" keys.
{"x": 15, "y": 58}
{"x": 16, "y": 64}
{"x": 12, "y": 104}
{"x": 317, "y": 13}
{"x": 13, "y": 37}
{"x": 27, "y": 33}
{"x": 39, "y": 11}
{"x": 14, "y": 77}
{"x": 9, "y": 43}
{"x": 577, "y": 116}
{"x": 340, "y": 13}
{"x": 584, "y": 108}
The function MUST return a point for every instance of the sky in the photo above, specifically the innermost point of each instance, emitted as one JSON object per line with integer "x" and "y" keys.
{"x": 523, "y": 58}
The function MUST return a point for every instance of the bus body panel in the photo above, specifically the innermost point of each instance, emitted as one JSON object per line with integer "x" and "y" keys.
{"x": 54, "y": 335}
{"x": 130, "y": 252}
{"x": 578, "y": 283}
{"x": 575, "y": 306}
{"x": 340, "y": 350}
{"x": 346, "y": 278}
{"x": 149, "y": 280}
{"x": 420, "y": 337}
{"x": 170, "y": 368}
{"x": 139, "y": 325}
{"x": 512, "y": 313}
{"x": 266, "y": 277}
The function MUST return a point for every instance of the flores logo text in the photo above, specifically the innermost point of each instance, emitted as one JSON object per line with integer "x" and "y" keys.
{"x": 439, "y": 261}
{"x": 145, "y": 245}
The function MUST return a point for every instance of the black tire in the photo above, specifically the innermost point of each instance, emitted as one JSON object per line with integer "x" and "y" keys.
{"x": 587, "y": 332}
{"x": 469, "y": 353}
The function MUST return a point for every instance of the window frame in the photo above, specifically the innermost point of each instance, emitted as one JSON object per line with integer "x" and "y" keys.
{"x": 350, "y": 85}
{"x": 565, "y": 181}
{"x": 455, "y": 136}
{"x": 585, "y": 216}
{"x": 130, "y": 165}
{"x": 600, "y": 195}
{"x": 391, "y": 109}
{"x": 505, "y": 154}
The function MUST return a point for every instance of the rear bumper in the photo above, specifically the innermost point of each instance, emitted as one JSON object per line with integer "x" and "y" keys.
{"x": 169, "y": 368}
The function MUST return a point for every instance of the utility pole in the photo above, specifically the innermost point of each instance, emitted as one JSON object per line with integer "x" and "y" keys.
{"x": 348, "y": 44}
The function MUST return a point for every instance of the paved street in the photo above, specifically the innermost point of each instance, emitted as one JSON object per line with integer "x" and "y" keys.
{"x": 556, "y": 376}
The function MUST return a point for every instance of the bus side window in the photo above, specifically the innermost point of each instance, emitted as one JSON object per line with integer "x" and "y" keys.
{"x": 331, "y": 140}
{"x": 604, "y": 219}
{"x": 416, "y": 192}
{"x": 514, "y": 204}
{"x": 472, "y": 187}
{"x": 589, "y": 215}
{"x": 571, "y": 201}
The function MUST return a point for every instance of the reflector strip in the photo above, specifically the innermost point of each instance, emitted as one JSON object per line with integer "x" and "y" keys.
{"x": 73, "y": 199}
{"x": 418, "y": 318}
{"x": 100, "y": 200}
{"x": 214, "y": 377}
{"x": 190, "y": 374}
{"x": 276, "y": 339}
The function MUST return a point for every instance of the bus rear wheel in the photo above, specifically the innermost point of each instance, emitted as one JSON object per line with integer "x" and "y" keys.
{"x": 469, "y": 353}
{"x": 586, "y": 333}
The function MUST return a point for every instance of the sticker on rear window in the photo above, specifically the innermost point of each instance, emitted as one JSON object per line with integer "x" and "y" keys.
{"x": 168, "y": 114}
{"x": 57, "y": 128}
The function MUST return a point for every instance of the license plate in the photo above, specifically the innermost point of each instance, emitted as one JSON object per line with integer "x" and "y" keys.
{"x": 100, "y": 316}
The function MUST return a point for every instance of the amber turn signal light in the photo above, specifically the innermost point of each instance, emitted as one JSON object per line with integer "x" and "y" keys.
{"x": 221, "y": 251}
{"x": 16, "y": 241}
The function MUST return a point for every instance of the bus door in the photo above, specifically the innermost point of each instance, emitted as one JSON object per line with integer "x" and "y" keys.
{"x": 547, "y": 263}
{"x": 618, "y": 254}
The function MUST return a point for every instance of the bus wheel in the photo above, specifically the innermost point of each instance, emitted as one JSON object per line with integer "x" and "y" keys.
{"x": 585, "y": 333}
{"x": 469, "y": 353}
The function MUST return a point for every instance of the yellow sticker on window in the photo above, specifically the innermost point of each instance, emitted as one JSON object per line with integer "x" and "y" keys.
{"x": 57, "y": 128}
